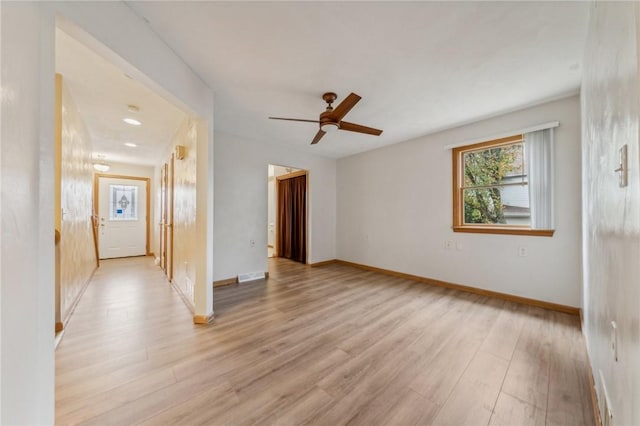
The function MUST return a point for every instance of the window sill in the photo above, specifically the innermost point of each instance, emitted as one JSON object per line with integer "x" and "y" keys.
{"x": 504, "y": 230}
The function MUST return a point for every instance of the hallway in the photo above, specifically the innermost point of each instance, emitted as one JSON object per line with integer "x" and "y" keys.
{"x": 123, "y": 323}
{"x": 326, "y": 345}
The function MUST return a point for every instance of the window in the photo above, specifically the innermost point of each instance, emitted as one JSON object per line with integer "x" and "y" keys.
{"x": 504, "y": 186}
{"x": 123, "y": 202}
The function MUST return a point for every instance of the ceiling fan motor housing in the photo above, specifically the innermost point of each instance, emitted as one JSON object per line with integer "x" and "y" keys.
{"x": 327, "y": 122}
{"x": 326, "y": 118}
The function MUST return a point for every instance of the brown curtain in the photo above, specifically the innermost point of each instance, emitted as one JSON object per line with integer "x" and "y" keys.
{"x": 292, "y": 218}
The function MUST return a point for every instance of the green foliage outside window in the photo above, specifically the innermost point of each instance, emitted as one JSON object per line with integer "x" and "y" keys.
{"x": 485, "y": 169}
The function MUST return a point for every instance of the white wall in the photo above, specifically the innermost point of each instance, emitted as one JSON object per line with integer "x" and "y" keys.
{"x": 241, "y": 203}
{"x": 27, "y": 252}
{"x": 147, "y": 172}
{"x": 26, "y": 226}
{"x": 395, "y": 212}
{"x": 610, "y": 88}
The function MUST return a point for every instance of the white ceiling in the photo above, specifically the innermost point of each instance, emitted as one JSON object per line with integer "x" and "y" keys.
{"x": 419, "y": 66}
{"x": 102, "y": 93}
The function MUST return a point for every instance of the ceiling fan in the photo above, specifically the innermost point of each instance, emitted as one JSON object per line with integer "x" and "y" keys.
{"x": 331, "y": 119}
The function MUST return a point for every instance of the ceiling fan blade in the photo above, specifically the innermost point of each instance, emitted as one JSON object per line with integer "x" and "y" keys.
{"x": 294, "y": 119}
{"x": 318, "y": 136}
{"x": 352, "y": 127}
{"x": 345, "y": 106}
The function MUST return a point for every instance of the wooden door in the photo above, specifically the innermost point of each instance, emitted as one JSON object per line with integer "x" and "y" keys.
{"x": 166, "y": 218}
{"x": 163, "y": 217}
{"x": 170, "y": 211}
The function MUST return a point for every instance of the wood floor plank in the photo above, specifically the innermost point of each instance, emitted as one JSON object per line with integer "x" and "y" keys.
{"x": 344, "y": 379}
{"x": 201, "y": 393}
{"x": 411, "y": 409}
{"x": 472, "y": 400}
{"x": 74, "y": 410}
{"x": 528, "y": 375}
{"x": 568, "y": 392}
{"x": 329, "y": 345}
{"x": 386, "y": 322}
{"x": 510, "y": 411}
{"x": 187, "y": 411}
{"x": 386, "y": 401}
{"x": 357, "y": 395}
{"x": 306, "y": 407}
{"x": 504, "y": 334}
{"x": 459, "y": 346}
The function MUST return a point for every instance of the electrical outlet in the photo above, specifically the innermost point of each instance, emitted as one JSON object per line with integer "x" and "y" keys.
{"x": 522, "y": 251}
{"x": 614, "y": 340}
{"x": 458, "y": 245}
{"x": 448, "y": 244}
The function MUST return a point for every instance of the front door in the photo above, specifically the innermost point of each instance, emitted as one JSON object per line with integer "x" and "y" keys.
{"x": 123, "y": 217}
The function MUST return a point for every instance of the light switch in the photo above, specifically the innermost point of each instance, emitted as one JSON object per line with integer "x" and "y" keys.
{"x": 622, "y": 169}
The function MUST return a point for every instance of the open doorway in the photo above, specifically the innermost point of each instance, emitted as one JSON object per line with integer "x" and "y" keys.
{"x": 287, "y": 229}
{"x": 112, "y": 134}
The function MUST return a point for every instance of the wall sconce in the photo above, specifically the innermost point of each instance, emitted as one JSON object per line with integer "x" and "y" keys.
{"x": 622, "y": 169}
{"x": 180, "y": 152}
{"x": 101, "y": 167}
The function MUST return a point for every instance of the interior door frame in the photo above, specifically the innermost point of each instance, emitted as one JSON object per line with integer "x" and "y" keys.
{"x": 167, "y": 188}
{"x": 96, "y": 197}
{"x": 170, "y": 212}
{"x": 162, "y": 232}
{"x": 306, "y": 212}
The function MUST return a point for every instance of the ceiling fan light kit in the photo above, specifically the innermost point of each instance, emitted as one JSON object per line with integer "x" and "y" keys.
{"x": 329, "y": 127}
{"x": 331, "y": 119}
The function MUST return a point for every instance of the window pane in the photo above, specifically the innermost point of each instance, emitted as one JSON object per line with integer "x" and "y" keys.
{"x": 123, "y": 202}
{"x": 494, "y": 165}
{"x": 497, "y": 205}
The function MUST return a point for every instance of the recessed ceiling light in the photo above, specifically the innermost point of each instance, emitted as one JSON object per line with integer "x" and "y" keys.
{"x": 131, "y": 121}
{"x": 130, "y": 144}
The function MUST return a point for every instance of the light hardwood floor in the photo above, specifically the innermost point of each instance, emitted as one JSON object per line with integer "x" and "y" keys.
{"x": 327, "y": 346}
